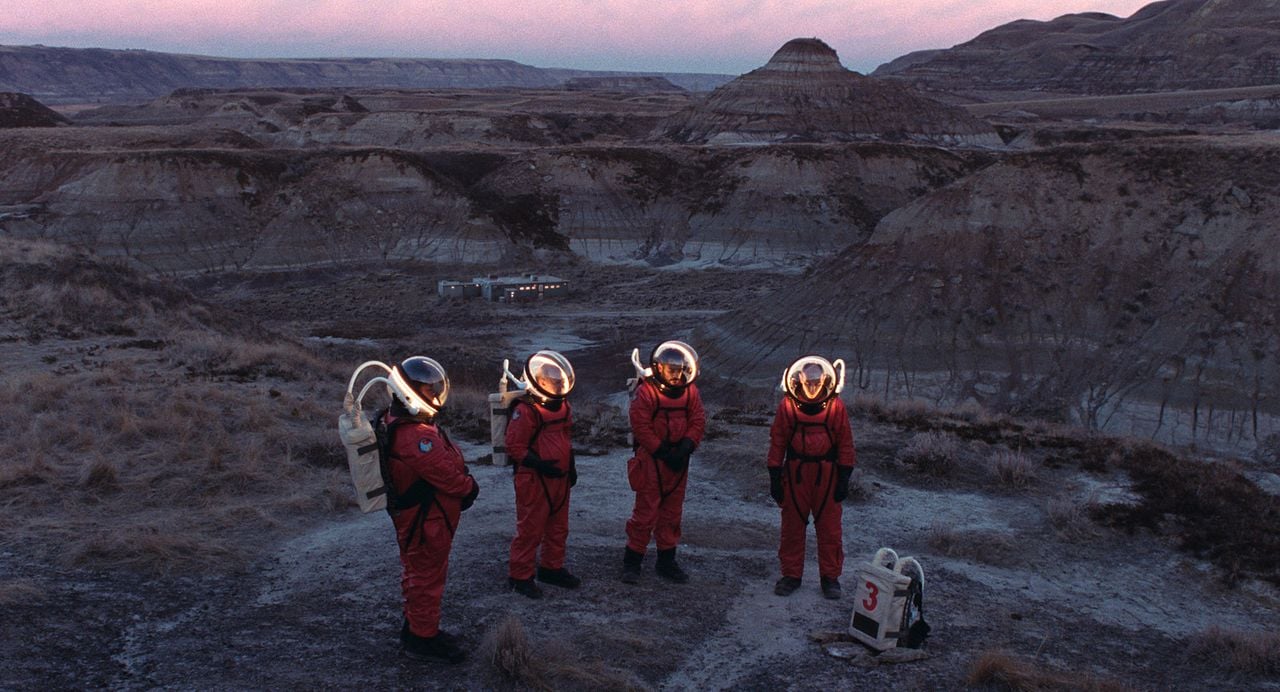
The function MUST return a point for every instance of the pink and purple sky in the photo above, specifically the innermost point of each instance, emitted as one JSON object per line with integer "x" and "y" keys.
{"x": 725, "y": 36}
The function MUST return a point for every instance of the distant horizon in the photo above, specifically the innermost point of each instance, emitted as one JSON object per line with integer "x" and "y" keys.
{"x": 724, "y": 37}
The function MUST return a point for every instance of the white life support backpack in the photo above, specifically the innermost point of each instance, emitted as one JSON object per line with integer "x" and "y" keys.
{"x": 361, "y": 442}
{"x": 500, "y": 404}
{"x": 888, "y": 609}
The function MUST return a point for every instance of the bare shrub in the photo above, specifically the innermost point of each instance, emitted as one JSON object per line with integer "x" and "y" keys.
{"x": 507, "y": 650}
{"x": 933, "y": 453}
{"x": 1070, "y": 519}
{"x": 912, "y": 412}
{"x": 1253, "y": 653}
{"x": 987, "y": 547}
{"x": 864, "y": 406}
{"x": 1004, "y": 672}
{"x": 972, "y": 412}
{"x": 598, "y": 427}
{"x": 1013, "y": 469}
{"x": 466, "y": 415}
{"x": 20, "y": 592}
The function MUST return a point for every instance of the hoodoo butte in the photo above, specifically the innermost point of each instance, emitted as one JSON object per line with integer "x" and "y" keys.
{"x": 804, "y": 94}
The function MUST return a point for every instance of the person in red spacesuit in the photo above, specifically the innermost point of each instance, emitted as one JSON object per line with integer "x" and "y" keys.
{"x": 811, "y": 458}
{"x": 667, "y": 425}
{"x": 430, "y": 487}
{"x": 539, "y": 442}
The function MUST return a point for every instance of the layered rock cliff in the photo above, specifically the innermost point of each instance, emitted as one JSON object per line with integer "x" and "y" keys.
{"x": 1165, "y": 46}
{"x": 804, "y": 94}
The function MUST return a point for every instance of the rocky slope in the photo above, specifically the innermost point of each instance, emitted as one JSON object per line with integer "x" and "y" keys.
{"x": 804, "y": 94}
{"x": 92, "y": 75}
{"x": 20, "y": 110}
{"x": 1007, "y": 286}
{"x": 1168, "y": 45}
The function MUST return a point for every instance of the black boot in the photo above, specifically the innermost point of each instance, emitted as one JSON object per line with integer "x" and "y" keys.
{"x": 558, "y": 577}
{"x": 831, "y": 588}
{"x": 786, "y": 586}
{"x": 668, "y": 568}
{"x": 631, "y": 561}
{"x": 525, "y": 587}
{"x": 443, "y": 647}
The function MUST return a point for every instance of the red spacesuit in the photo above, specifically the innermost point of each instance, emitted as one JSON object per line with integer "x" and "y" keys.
{"x": 667, "y": 423}
{"x": 431, "y": 487}
{"x": 540, "y": 445}
{"x": 811, "y": 457}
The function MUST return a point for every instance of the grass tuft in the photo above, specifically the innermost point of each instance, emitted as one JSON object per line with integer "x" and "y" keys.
{"x": 1013, "y": 469}
{"x": 1003, "y": 672}
{"x": 1251, "y": 653}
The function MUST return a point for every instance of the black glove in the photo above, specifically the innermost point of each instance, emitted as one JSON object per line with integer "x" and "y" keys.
{"x": 542, "y": 466}
{"x": 775, "y": 484}
{"x": 573, "y": 469}
{"x": 671, "y": 457}
{"x": 684, "y": 448}
{"x": 842, "y": 483}
{"x": 470, "y": 498}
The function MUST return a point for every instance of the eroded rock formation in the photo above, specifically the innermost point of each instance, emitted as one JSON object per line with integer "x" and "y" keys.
{"x": 1109, "y": 283}
{"x": 804, "y": 94}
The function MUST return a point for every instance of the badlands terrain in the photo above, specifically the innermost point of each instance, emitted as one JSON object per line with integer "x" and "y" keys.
{"x": 1056, "y": 299}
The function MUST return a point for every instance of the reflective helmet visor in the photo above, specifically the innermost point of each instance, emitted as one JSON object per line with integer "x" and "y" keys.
{"x": 549, "y": 374}
{"x": 674, "y": 363}
{"x": 811, "y": 380}
{"x": 426, "y": 381}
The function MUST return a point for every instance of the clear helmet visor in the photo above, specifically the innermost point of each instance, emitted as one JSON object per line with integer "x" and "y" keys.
{"x": 811, "y": 380}
{"x": 674, "y": 363}
{"x": 549, "y": 374}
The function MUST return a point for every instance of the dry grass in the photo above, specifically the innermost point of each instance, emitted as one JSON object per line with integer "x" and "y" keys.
{"x": 555, "y": 666}
{"x": 1251, "y": 653}
{"x": 933, "y": 453}
{"x": 507, "y": 650}
{"x": 153, "y": 454}
{"x": 1214, "y": 511}
{"x": 987, "y": 547}
{"x": 153, "y": 548}
{"x": 1013, "y": 469}
{"x": 1001, "y": 671}
{"x": 1070, "y": 519}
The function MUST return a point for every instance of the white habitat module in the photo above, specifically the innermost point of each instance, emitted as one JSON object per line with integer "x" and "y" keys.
{"x": 500, "y": 412}
{"x": 358, "y": 437}
{"x": 885, "y": 600}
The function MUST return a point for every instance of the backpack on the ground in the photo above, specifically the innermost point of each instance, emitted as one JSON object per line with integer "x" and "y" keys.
{"x": 888, "y": 608}
{"x": 366, "y": 453}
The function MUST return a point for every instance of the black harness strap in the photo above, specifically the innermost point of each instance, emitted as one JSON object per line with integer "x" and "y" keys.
{"x": 794, "y": 470}
{"x": 420, "y": 493}
{"x": 552, "y": 507}
{"x": 666, "y": 414}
